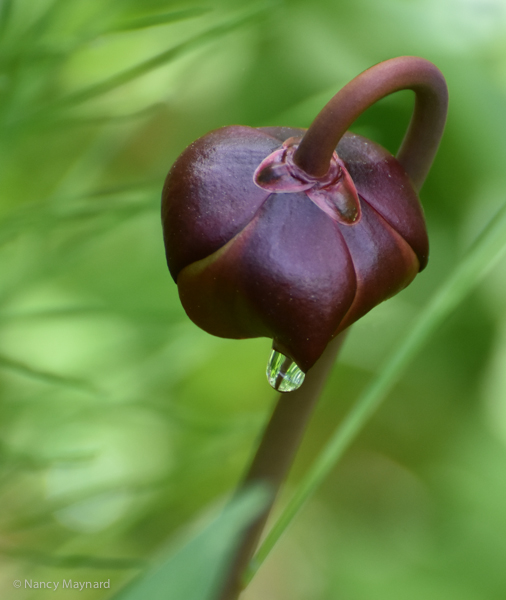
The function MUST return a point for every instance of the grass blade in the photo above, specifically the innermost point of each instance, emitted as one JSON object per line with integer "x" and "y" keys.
{"x": 484, "y": 254}
{"x": 195, "y": 572}
{"x": 162, "y": 19}
{"x": 73, "y": 561}
{"x": 45, "y": 377}
{"x": 159, "y": 60}
{"x": 5, "y": 14}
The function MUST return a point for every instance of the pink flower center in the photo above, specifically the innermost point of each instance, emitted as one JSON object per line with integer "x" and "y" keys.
{"x": 334, "y": 193}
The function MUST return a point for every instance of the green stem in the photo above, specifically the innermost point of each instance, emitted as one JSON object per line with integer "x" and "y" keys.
{"x": 487, "y": 250}
{"x": 422, "y": 138}
{"x": 275, "y": 455}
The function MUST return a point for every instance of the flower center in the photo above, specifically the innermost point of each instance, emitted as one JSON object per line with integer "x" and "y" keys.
{"x": 334, "y": 193}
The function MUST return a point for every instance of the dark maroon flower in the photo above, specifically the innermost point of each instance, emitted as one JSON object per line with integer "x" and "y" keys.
{"x": 267, "y": 235}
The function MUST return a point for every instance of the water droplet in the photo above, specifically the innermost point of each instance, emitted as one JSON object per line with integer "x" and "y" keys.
{"x": 283, "y": 374}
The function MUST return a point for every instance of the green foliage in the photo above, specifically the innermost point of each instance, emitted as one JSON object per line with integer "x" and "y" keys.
{"x": 195, "y": 572}
{"x": 120, "y": 421}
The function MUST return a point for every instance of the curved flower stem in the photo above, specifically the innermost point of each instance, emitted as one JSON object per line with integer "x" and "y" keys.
{"x": 275, "y": 455}
{"x": 422, "y": 138}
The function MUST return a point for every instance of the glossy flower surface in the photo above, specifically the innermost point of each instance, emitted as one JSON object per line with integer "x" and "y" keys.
{"x": 259, "y": 248}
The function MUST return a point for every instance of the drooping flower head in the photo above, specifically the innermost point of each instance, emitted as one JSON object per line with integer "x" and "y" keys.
{"x": 295, "y": 235}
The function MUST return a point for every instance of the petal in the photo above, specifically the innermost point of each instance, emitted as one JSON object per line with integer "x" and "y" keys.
{"x": 209, "y": 195}
{"x": 384, "y": 263}
{"x": 288, "y": 276}
{"x": 383, "y": 183}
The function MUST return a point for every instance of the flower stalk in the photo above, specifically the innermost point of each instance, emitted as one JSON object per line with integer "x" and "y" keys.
{"x": 422, "y": 138}
{"x": 314, "y": 156}
{"x": 275, "y": 454}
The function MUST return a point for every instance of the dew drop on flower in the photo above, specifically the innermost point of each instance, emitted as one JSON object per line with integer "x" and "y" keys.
{"x": 283, "y": 374}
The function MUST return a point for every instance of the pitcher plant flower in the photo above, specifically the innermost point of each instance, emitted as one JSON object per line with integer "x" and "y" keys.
{"x": 294, "y": 234}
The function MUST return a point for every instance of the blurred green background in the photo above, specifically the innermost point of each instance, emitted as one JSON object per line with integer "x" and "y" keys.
{"x": 123, "y": 426}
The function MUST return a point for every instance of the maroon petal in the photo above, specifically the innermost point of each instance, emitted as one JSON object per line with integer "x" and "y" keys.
{"x": 384, "y": 263}
{"x": 287, "y": 275}
{"x": 384, "y": 184}
{"x": 209, "y": 195}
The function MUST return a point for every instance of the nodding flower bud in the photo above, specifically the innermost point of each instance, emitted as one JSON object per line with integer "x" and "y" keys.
{"x": 294, "y": 234}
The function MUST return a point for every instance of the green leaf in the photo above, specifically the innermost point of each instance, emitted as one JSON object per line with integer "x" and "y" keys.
{"x": 194, "y": 573}
{"x": 485, "y": 253}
